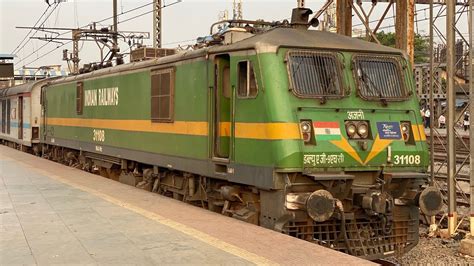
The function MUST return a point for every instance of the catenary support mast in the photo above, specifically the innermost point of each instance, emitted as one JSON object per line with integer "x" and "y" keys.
{"x": 471, "y": 109}
{"x": 157, "y": 24}
{"x": 451, "y": 98}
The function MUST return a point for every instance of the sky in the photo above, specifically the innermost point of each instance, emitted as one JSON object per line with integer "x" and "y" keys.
{"x": 182, "y": 22}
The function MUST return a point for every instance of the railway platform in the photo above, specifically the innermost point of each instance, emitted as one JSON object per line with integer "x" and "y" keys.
{"x": 54, "y": 214}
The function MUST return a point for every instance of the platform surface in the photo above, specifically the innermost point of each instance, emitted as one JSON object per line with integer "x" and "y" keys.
{"x": 54, "y": 214}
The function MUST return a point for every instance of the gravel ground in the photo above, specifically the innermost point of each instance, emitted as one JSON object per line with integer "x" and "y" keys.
{"x": 434, "y": 251}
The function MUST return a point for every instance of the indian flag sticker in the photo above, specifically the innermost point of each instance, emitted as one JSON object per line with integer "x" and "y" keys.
{"x": 327, "y": 131}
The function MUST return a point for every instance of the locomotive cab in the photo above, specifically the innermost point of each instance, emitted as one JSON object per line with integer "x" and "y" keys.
{"x": 337, "y": 121}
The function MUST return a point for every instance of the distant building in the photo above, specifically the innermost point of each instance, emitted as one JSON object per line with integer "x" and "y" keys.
{"x": 28, "y": 74}
{"x": 24, "y": 75}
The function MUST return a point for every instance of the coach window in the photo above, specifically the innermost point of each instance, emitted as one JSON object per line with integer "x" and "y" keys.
{"x": 247, "y": 84}
{"x": 79, "y": 97}
{"x": 162, "y": 95}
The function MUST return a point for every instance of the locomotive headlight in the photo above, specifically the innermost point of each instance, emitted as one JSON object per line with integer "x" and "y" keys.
{"x": 305, "y": 127}
{"x": 351, "y": 130}
{"x": 363, "y": 130}
{"x": 405, "y": 127}
{"x": 306, "y": 130}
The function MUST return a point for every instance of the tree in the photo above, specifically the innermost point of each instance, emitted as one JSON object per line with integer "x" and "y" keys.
{"x": 421, "y": 45}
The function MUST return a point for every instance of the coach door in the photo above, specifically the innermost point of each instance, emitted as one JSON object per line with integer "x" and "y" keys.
{"x": 4, "y": 115}
{"x": 221, "y": 113}
{"x": 20, "y": 117}
{"x": 9, "y": 116}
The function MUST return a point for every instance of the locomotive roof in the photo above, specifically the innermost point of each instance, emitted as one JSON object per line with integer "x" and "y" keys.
{"x": 273, "y": 39}
{"x": 269, "y": 41}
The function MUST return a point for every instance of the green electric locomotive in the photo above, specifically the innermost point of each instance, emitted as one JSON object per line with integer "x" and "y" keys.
{"x": 309, "y": 133}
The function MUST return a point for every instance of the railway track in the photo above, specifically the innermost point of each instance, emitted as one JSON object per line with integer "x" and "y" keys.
{"x": 459, "y": 177}
{"x": 462, "y": 157}
{"x": 440, "y": 146}
{"x": 463, "y": 198}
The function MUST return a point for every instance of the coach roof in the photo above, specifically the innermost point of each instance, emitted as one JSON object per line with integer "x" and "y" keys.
{"x": 19, "y": 89}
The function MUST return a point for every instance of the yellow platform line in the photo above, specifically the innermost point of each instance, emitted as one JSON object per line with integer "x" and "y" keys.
{"x": 210, "y": 240}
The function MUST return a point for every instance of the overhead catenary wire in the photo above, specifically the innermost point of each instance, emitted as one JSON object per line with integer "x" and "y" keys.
{"x": 424, "y": 19}
{"x": 36, "y": 30}
{"x": 57, "y": 17}
{"x": 85, "y": 26}
{"x": 26, "y": 36}
{"x": 416, "y": 21}
{"x": 148, "y": 12}
{"x": 102, "y": 20}
{"x": 45, "y": 54}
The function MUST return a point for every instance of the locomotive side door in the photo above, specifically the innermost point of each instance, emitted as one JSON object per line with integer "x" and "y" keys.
{"x": 43, "y": 104}
{"x": 221, "y": 108}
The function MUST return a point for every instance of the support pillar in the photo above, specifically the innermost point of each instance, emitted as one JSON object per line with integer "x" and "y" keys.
{"x": 471, "y": 108}
{"x": 404, "y": 27}
{"x": 451, "y": 99}
{"x": 344, "y": 17}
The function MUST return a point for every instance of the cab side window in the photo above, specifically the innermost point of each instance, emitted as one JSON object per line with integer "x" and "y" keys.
{"x": 247, "y": 83}
{"x": 162, "y": 95}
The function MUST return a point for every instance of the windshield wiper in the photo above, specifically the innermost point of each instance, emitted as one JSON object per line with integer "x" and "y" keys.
{"x": 374, "y": 88}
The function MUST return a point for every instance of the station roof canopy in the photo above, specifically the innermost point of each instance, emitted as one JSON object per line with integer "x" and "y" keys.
{"x": 40, "y": 73}
{"x": 7, "y": 57}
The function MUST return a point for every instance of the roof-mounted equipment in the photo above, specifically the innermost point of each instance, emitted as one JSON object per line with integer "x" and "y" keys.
{"x": 300, "y": 18}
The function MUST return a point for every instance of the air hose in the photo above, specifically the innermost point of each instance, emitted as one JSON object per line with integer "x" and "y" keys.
{"x": 340, "y": 207}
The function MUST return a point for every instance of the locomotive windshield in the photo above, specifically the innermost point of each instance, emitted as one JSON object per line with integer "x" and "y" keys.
{"x": 379, "y": 78}
{"x": 314, "y": 74}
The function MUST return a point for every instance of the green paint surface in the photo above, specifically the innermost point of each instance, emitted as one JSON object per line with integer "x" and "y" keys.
{"x": 273, "y": 103}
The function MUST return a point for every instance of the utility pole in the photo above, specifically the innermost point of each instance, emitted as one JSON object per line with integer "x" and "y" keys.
{"x": 432, "y": 120}
{"x": 451, "y": 99}
{"x": 156, "y": 23}
{"x": 115, "y": 27}
{"x": 471, "y": 109}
